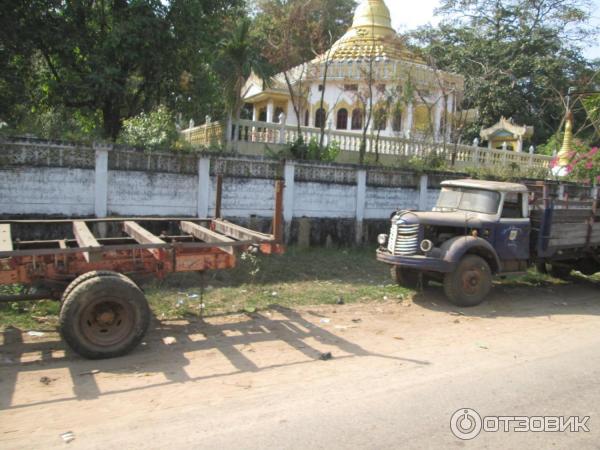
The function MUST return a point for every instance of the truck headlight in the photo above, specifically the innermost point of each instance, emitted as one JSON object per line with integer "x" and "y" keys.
{"x": 382, "y": 239}
{"x": 426, "y": 246}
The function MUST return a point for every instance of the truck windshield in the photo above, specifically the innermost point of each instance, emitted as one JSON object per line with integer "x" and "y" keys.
{"x": 473, "y": 200}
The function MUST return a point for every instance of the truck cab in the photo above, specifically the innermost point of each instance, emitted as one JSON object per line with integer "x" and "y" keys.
{"x": 477, "y": 229}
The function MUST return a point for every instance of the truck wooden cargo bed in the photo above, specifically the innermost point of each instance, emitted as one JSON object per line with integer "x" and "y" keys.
{"x": 562, "y": 227}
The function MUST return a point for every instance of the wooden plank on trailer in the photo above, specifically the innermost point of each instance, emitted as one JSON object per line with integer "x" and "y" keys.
{"x": 143, "y": 236}
{"x": 6, "y": 244}
{"x": 238, "y": 232}
{"x": 206, "y": 235}
{"x": 85, "y": 239}
{"x": 140, "y": 234}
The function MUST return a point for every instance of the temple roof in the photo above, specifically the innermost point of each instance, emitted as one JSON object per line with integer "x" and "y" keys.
{"x": 371, "y": 36}
{"x": 507, "y": 125}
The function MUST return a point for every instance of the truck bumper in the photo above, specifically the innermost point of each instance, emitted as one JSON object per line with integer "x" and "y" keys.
{"x": 417, "y": 262}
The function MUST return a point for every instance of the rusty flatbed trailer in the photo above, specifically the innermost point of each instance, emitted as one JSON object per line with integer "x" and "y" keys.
{"x": 104, "y": 313}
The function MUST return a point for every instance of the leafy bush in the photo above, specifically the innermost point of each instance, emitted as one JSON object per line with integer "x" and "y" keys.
{"x": 584, "y": 164}
{"x": 151, "y": 130}
{"x": 312, "y": 151}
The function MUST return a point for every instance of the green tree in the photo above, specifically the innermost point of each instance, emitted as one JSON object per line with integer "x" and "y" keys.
{"x": 296, "y": 31}
{"x": 153, "y": 130}
{"x": 239, "y": 55}
{"x": 517, "y": 57}
{"x": 592, "y": 107}
{"x": 114, "y": 57}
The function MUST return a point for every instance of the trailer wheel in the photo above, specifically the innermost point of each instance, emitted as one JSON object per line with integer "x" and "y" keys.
{"x": 104, "y": 317}
{"x": 407, "y": 278}
{"x": 470, "y": 283}
{"x": 87, "y": 276}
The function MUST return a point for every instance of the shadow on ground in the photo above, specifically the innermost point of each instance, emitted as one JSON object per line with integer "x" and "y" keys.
{"x": 155, "y": 356}
{"x": 522, "y": 298}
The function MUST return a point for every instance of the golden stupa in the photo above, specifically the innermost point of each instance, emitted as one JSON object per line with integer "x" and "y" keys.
{"x": 371, "y": 36}
{"x": 566, "y": 152}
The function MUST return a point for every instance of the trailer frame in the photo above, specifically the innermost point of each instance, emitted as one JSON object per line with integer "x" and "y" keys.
{"x": 74, "y": 270}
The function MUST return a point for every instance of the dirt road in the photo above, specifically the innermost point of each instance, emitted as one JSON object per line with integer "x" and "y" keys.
{"x": 398, "y": 373}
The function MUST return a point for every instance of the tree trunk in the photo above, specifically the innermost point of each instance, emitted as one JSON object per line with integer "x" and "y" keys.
{"x": 111, "y": 120}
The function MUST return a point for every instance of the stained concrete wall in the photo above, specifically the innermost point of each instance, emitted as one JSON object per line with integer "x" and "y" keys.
{"x": 244, "y": 197}
{"x": 324, "y": 200}
{"x": 151, "y": 194}
{"x": 382, "y": 201}
{"x": 46, "y": 191}
{"x": 324, "y": 203}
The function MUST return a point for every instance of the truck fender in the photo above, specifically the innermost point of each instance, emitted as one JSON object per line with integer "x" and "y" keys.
{"x": 454, "y": 249}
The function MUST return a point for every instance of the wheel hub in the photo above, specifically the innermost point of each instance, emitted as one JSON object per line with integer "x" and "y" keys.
{"x": 106, "y": 318}
{"x": 471, "y": 281}
{"x": 107, "y": 322}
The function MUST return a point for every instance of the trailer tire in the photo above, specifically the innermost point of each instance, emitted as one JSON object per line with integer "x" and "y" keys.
{"x": 470, "y": 283}
{"x": 87, "y": 276}
{"x": 408, "y": 278}
{"x": 104, "y": 317}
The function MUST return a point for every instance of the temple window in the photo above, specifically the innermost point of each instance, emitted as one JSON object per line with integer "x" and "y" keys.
{"x": 380, "y": 119}
{"x": 397, "y": 118}
{"x": 351, "y": 87}
{"x": 320, "y": 118}
{"x": 306, "y": 118}
{"x": 278, "y": 112}
{"x": 262, "y": 115}
{"x": 342, "y": 119}
{"x": 357, "y": 119}
{"x": 422, "y": 118}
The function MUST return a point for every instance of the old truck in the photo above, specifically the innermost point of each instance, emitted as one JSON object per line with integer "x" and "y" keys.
{"x": 104, "y": 312}
{"x": 481, "y": 229}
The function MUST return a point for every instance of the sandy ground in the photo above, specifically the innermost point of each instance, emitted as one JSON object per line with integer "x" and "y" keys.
{"x": 397, "y": 374}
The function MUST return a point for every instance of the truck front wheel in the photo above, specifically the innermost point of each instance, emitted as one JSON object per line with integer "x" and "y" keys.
{"x": 408, "y": 278}
{"x": 470, "y": 283}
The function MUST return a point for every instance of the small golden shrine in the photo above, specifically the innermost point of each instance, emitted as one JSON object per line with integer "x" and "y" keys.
{"x": 506, "y": 135}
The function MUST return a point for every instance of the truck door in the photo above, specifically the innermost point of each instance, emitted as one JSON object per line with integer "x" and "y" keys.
{"x": 512, "y": 234}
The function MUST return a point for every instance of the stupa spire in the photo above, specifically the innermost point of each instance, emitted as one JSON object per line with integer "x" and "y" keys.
{"x": 566, "y": 151}
{"x": 372, "y": 13}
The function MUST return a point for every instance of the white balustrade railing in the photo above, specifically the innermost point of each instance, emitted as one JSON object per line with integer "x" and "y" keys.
{"x": 211, "y": 134}
{"x": 453, "y": 154}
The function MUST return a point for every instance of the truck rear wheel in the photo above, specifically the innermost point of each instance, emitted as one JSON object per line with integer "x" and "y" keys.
{"x": 408, "y": 278}
{"x": 561, "y": 272}
{"x": 104, "y": 317}
{"x": 470, "y": 283}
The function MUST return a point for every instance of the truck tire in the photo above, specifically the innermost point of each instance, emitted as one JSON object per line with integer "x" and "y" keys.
{"x": 470, "y": 283}
{"x": 86, "y": 276}
{"x": 104, "y": 317}
{"x": 560, "y": 272}
{"x": 542, "y": 268}
{"x": 408, "y": 278}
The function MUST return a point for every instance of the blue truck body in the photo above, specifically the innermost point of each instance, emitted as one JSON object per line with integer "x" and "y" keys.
{"x": 500, "y": 228}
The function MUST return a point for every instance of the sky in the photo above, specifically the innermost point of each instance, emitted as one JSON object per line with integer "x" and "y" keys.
{"x": 408, "y": 15}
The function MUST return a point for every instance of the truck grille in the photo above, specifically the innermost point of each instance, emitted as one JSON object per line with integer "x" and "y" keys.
{"x": 404, "y": 240}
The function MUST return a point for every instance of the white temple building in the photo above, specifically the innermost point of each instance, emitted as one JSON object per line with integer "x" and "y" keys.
{"x": 409, "y": 98}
